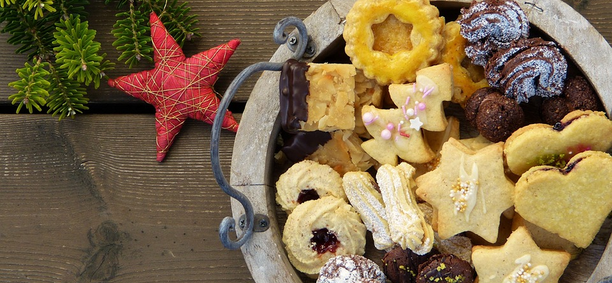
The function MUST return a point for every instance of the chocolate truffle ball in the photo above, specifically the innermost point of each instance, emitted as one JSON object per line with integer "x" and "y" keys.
{"x": 445, "y": 268}
{"x": 401, "y": 265}
{"x": 350, "y": 269}
{"x": 577, "y": 95}
{"x": 494, "y": 115}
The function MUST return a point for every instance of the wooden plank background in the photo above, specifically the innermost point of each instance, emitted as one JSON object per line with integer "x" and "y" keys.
{"x": 84, "y": 200}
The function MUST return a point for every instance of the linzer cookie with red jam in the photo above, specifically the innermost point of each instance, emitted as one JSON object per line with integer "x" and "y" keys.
{"x": 317, "y": 96}
{"x": 307, "y": 180}
{"x": 321, "y": 229}
{"x": 573, "y": 201}
{"x": 543, "y": 144}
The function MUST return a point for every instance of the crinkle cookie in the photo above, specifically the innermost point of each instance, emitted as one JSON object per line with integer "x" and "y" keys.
{"x": 307, "y": 180}
{"x": 392, "y": 39}
{"x": 351, "y": 269}
{"x": 321, "y": 229}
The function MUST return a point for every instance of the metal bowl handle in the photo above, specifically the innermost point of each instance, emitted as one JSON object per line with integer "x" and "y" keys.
{"x": 301, "y": 46}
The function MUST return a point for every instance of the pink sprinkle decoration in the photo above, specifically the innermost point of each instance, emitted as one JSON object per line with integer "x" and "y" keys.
{"x": 368, "y": 118}
{"x": 422, "y": 106}
{"x": 390, "y": 126}
{"x": 406, "y": 135}
{"x": 385, "y": 134}
{"x": 427, "y": 91}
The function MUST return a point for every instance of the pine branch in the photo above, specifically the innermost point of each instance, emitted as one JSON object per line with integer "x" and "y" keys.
{"x": 77, "y": 51}
{"x": 34, "y": 36}
{"x": 133, "y": 39}
{"x": 175, "y": 18}
{"x": 67, "y": 96}
{"x": 39, "y": 7}
{"x": 32, "y": 88}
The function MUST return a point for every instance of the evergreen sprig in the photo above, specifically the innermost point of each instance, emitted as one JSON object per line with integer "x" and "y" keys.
{"x": 67, "y": 97}
{"x": 32, "y": 88}
{"x": 77, "y": 51}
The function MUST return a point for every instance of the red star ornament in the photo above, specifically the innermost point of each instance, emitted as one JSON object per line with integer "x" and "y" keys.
{"x": 178, "y": 87}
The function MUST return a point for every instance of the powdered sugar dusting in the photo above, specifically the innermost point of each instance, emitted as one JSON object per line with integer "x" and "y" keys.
{"x": 350, "y": 269}
{"x": 491, "y": 25}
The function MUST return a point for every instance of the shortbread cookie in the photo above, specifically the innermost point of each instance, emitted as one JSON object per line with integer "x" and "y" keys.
{"x": 545, "y": 239}
{"x": 393, "y": 136}
{"x": 518, "y": 260}
{"x": 317, "y": 96}
{"x": 361, "y": 190}
{"x": 307, "y": 180}
{"x": 423, "y": 99}
{"x": 406, "y": 221}
{"x": 321, "y": 229}
{"x": 343, "y": 153}
{"x": 468, "y": 189}
{"x": 535, "y": 144}
{"x": 571, "y": 202}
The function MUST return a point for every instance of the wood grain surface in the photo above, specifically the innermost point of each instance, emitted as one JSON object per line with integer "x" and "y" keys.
{"x": 84, "y": 200}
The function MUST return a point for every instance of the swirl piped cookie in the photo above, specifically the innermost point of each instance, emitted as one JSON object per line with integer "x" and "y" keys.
{"x": 543, "y": 144}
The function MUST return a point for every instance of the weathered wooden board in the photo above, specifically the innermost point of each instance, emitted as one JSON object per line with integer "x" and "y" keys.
{"x": 83, "y": 200}
{"x": 255, "y": 139}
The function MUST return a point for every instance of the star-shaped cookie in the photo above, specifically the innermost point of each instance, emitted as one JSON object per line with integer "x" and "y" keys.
{"x": 468, "y": 189}
{"x": 518, "y": 260}
{"x": 178, "y": 87}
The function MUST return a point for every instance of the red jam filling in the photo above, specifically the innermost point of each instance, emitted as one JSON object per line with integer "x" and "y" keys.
{"x": 324, "y": 241}
{"x": 306, "y": 195}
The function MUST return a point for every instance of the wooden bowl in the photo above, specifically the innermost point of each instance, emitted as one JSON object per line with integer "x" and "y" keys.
{"x": 252, "y": 162}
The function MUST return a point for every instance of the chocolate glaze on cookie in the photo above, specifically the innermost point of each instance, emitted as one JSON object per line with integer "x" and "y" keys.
{"x": 445, "y": 268}
{"x": 529, "y": 67}
{"x": 402, "y": 265}
{"x": 298, "y": 146}
{"x": 491, "y": 25}
{"x": 294, "y": 87}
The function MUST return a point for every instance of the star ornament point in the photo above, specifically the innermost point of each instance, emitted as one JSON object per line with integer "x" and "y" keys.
{"x": 178, "y": 87}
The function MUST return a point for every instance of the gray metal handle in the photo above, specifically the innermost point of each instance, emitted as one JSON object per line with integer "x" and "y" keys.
{"x": 300, "y": 47}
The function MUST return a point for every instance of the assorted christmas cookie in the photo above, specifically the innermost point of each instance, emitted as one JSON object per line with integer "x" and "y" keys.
{"x": 321, "y": 229}
{"x": 392, "y": 39}
{"x": 578, "y": 197}
{"x": 468, "y": 189}
{"x": 351, "y": 269}
{"x": 467, "y": 77}
{"x": 577, "y": 95}
{"x": 362, "y": 192}
{"x": 518, "y": 260}
{"x": 317, "y": 96}
{"x": 491, "y": 25}
{"x": 407, "y": 224}
{"x": 529, "y": 67}
{"x": 402, "y": 265}
{"x": 307, "y": 180}
{"x": 494, "y": 115}
{"x": 543, "y": 144}
{"x": 343, "y": 153}
{"x": 445, "y": 268}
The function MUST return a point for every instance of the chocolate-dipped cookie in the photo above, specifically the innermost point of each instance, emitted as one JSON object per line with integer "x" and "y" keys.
{"x": 445, "y": 268}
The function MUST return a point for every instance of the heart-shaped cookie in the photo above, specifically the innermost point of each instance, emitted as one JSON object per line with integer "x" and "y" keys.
{"x": 572, "y": 202}
{"x": 542, "y": 144}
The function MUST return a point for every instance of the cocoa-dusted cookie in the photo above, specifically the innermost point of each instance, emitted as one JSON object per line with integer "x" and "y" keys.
{"x": 529, "y": 67}
{"x": 402, "y": 265}
{"x": 491, "y": 25}
{"x": 350, "y": 269}
{"x": 577, "y": 95}
{"x": 445, "y": 268}
{"x": 494, "y": 115}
